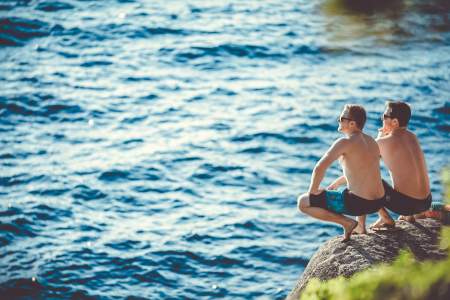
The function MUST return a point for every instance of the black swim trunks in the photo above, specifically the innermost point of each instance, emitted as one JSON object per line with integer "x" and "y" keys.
{"x": 405, "y": 205}
{"x": 345, "y": 202}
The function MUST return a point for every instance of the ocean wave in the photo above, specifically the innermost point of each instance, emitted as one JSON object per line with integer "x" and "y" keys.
{"x": 18, "y": 227}
{"x": 136, "y": 173}
{"x": 154, "y": 277}
{"x": 249, "y": 225}
{"x": 444, "y": 110}
{"x": 305, "y": 49}
{"x": 270, "y": 255}
{"x": 128, "y": 245}
{"x": 7, "y": 156}
{"x": 52, "y": 6}
{"x": 19, "y": 179}
{"x": 44, "y": 213}
{"x": 22, "y": 154}
{"x": 236, "y": 50}
{"x": 202, "y": 176}
{"x": 76, "y": 37}
{"x": 11, "y": 211}
{"x": 220, "y": 126}
{"x": 205, "y": 238}
{"x": 139, "y": 78}
{"x": 49, "y": 192}
{"x": 444, "y": 128}
{"x": 186, "y": 159}
{"x": 149, "y": 97}
{"x": 17, "y": 31}
{"x": 114, "y": 175}
{"x": 84, "y": 192}
{"x": 215, "y": 261}
{"x": 147, "y": 32}
{"x": 254, "y": 150}
{"x": 95, "y": 63}
{"x": 295, "y": 170}
{"x": 291, "y": 140}
{"x": 133, "y": 141}
{"x": 220, "y": 168}
{"x": 37, "y": 105}
{"x": 224, "y": 92}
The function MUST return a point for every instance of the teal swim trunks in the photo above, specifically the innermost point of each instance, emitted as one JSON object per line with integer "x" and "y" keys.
{"x": 329, "y": 199}
{"x": 344, "y": 202}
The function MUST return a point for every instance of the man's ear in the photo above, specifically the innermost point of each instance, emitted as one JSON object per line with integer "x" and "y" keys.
{"x": 352, "y": 123}
{"x": 395, "y": 122}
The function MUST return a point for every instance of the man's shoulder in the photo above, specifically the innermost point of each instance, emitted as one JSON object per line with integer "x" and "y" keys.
{"x": 385, "y": 140}
{"x": 411, "y": 134}
{"x": 342, "y": 141}
{"x": 368, "y": 137}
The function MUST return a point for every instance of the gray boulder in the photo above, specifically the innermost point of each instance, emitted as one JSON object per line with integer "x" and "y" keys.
{"x": 336, "y": 258}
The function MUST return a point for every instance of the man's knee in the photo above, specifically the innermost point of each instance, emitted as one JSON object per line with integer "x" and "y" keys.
{"x": 303, "y": 202}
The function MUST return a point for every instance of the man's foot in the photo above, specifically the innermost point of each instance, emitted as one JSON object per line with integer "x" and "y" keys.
{"x": 409, "y": 219}
{"x": 348, "y": 228}
{"x": 383, "y": 224}
{"x": 359, "y": 229}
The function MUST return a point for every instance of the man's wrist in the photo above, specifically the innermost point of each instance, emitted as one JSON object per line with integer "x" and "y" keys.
{"x": 313, "y": 191}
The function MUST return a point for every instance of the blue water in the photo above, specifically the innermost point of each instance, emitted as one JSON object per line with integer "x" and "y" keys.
{"x": 155, "y": 149}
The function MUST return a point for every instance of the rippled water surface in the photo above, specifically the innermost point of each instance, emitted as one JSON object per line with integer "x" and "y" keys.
{"x": 155, "y": 149}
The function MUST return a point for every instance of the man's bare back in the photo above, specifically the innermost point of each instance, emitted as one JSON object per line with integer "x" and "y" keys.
{"x": 402, "y": 155}
{"x": 361, "y": 167}
{"x": 405, "y": 160}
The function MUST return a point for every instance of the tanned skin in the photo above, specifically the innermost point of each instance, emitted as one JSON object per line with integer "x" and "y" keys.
{"x": 359, "y": 155}
{"x": 403, "y": 156}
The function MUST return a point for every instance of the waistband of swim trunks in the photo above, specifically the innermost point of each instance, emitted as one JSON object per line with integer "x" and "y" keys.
{"x": 381, "y": 199}
{"x": 392, "y": 190}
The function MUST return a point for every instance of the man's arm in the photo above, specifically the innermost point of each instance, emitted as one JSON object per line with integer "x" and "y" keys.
{"x": 382, "y": 145}
{"x": 335, "y": 151}
{"x": 381, "y": 133}
{"x": 337, "y": 183}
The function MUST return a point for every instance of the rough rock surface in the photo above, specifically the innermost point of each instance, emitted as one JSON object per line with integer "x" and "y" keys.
{"x": 337, "y": 258}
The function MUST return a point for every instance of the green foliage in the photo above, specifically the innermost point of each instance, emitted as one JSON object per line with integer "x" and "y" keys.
{"x": 404, "y": 279}
{"x": 445, "y": 242}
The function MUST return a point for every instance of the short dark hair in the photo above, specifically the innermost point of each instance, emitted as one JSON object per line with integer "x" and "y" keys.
{"x": 399, "y": 110}
{"x": 357, "y": 113}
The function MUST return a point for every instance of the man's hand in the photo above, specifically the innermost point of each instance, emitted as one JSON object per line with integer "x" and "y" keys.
{"x": 337, "y": 183}
{"x": 382, "y": 132}
{"x": 332, "y": 186}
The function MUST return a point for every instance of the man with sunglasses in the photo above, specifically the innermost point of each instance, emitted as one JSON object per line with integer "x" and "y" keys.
{"x": 402, "y": 155}
{"x": 359, "y": 156}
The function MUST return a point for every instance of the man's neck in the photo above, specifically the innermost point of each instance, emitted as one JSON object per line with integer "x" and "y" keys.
{"x": 353, "y": 133}
{"x": 399, "y": 130}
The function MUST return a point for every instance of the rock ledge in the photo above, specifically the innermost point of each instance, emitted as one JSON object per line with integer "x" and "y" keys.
{"x": 336, "y": 258}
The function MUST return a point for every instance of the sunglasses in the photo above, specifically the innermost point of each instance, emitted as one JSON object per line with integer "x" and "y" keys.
{"x": 386, "y": 116}
{"x": 341, "y": 119}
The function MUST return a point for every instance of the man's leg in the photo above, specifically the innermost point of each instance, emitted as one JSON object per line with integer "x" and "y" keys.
{"x": 361, "y": 228}
{"x": 326, "y": 215}
{"x": 384, "y": 221}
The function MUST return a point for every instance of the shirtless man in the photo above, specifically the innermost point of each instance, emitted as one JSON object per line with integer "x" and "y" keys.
{"x": 402, "y": 155}
{"x": 359, "y": 156}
